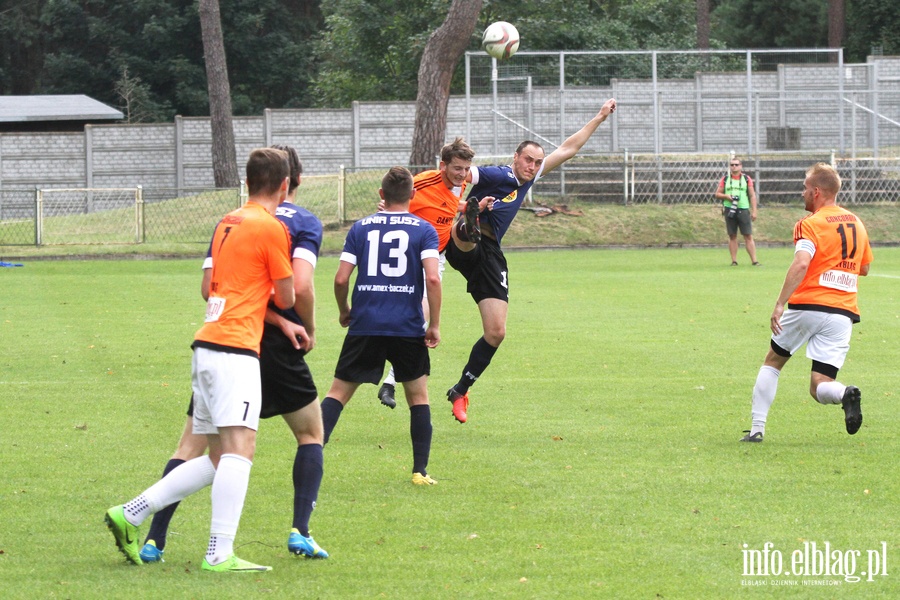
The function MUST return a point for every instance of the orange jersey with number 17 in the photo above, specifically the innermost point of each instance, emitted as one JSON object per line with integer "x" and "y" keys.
{"x": 841, "y": 251}
{"x": 250, "y": 250}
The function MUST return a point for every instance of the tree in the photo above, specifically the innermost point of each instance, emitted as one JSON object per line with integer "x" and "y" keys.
{"x": 21, "y": 48}
{"x": 872, "y": 25}
{"x": 371, "y": 50}
{"x": 225, "y": 169}
{"x": 441, "y": 55}
{"x": 772, "y": 23}
{"x": 136, "y": 102}
{"x": 835, "y": 23}
{"x": 703, "y": 24}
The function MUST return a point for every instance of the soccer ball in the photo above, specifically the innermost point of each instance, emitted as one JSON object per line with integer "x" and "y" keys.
{"x": 500, "y": 40}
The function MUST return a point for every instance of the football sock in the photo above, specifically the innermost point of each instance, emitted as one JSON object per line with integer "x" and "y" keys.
{"x": 308, "y": 470}
{"x": 763, "y": 396}
{"x": 830, "y": 392}
{"x": 159, "y": 526}
{"x": 390, "y": 378}
{"x": 479, "y": 359}
{"x": 229, "y": 489}
{"x": 331, "y": 412}
{"x": 219, "y": 549}
{"x": 179, "y": 483}
{"x": 420, "y": 432}
{"x": 137, "y": 511}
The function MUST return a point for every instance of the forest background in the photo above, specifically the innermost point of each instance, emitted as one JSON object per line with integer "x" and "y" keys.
{"x": 146, "y": 56}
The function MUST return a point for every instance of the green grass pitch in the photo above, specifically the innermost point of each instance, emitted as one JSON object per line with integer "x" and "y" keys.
{"x": 600, "y": 458}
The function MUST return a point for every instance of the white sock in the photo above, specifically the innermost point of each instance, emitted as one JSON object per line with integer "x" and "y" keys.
{"x": 389, "y": 380}
{"x": 182, "y": 481}
{"x": 137, "y": 511}
{"x": 763, "y": 396}
{"x": 228, "y": 492}
{"x": 830, "y": 392}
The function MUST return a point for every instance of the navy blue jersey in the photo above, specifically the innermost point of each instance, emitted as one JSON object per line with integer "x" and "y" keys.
{"x": 387, "y": 249}
{"x": 501, "y": 183}
{"x": 305, "y": 231}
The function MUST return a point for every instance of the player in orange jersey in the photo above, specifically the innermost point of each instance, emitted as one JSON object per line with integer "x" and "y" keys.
{"x": 251, "y": 264}
{"x": 831, "y": 252}
{"x": 438, "y": 200}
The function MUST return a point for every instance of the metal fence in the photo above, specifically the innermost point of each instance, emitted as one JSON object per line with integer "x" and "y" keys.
{"x": 136, "y": 215}
{"x": 746, "y": 101}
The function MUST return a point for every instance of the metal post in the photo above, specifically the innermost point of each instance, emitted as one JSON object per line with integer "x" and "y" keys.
{"x": 89, "y": 166}
{"x": 874, "y": 106}
{"x": 625, "y": 178}
{"x": 633, "y": 167}
{"x": 494, "y": 106}
{"x": 342, "y": 178}
{"x": 562, "y": 117}
{"x": 38, "y": 216}
{"x": 529, "y": 106}
{"x": 267, "y": 126}
{"x": 468, "y": 97}
{"x": 749, "y": 102}
{"x": 659, "y": 180}
{"x": 840, "y": 100}
{"x": 179, "y": 153}
{"x": 657, "y": 136}
{"x": 357, "y": 152}
{"x": 243, "y": 196}
{"x": 853, "y": 148}
{"x": 756, "y": 119}
{"x": 139, "y": 214}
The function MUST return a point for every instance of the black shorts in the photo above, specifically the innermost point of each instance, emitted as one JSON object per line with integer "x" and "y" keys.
{"x": 363, "y": 356}
{"x": 741, "y": 221}
{"x": 287, "y": 384}
{"x": 484, "y": 268}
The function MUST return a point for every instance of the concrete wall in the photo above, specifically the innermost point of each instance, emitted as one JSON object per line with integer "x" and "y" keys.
{"x": 708, "y": 113}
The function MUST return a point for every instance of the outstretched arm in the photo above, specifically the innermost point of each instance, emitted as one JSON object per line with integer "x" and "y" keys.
{"x": 573, "y": 144}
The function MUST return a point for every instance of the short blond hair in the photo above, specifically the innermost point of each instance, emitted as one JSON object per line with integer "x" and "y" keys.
{"x": 825, "y": 177}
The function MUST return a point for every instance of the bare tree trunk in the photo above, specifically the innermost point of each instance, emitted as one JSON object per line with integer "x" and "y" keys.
{"x": 703, "y": 24}
{"x": 225, "y": 169}
{"x": 442, "y": 52}
{"x": 835, "y": 24}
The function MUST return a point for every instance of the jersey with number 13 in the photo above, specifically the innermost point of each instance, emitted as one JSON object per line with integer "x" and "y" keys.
{"x": 388, "y": 249}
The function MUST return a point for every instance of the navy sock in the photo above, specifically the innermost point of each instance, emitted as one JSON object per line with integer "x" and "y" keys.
{"x": 159, "y": 526}
{"x": 479, "y": 359}
{"x": 420, "y": 432}
{"x": 331, "y": 412}
{"x": 308, "y": 470}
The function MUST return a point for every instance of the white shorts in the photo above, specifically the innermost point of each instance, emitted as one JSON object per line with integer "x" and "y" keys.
{"x": 226, "y": 390}
{"x": 826, "y": 335}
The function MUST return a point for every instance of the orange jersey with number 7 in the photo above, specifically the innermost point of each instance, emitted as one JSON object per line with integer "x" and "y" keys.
{"x": 841, "y": 251}
{"x": 250, "y": 249}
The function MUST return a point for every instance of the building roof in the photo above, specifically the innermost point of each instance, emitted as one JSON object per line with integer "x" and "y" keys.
{"x": 75, "y": 107}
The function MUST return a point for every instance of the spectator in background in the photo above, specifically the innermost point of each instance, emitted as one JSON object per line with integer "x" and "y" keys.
{"x": 739, "y": 207}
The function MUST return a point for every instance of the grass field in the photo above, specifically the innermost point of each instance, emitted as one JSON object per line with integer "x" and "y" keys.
{"x": 600, "y": 459}
{"x": 600, "y": 225}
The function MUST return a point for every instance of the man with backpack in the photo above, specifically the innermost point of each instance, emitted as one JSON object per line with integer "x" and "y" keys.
{"x": 739, "y": 207}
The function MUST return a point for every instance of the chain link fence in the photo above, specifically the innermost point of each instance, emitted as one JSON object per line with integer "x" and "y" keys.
{"x": 129, "y": 216}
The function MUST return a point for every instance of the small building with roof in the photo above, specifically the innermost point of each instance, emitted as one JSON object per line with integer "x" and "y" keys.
{"x": 70, "y": 112}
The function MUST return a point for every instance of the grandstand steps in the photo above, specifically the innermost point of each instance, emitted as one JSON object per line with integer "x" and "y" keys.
{"x": 778, "y": 181}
